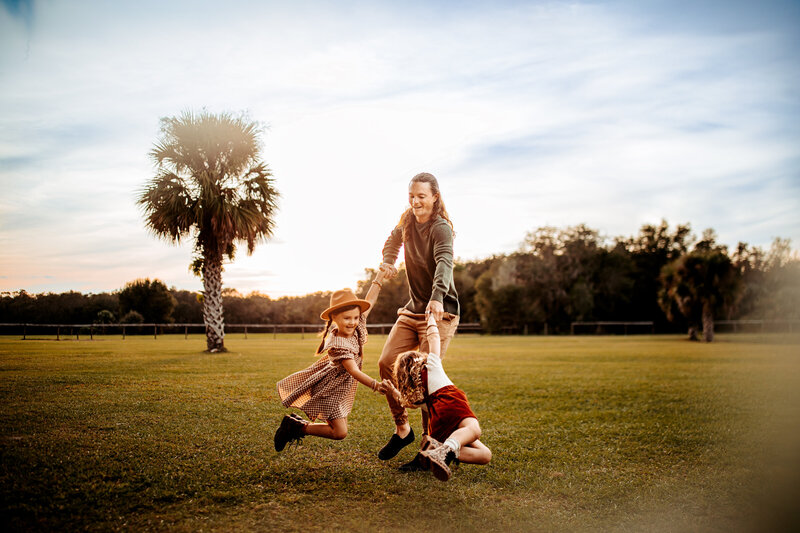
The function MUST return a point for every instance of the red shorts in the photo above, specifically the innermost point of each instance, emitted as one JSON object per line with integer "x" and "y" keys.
{"x": 447, "y": 406}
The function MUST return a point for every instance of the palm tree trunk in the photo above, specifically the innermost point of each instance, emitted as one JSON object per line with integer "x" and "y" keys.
{"x": 212, "y": 304}
{"x": 708, "y": 322}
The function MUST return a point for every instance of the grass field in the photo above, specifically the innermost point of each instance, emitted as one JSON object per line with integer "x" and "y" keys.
{"x": 640, "y": 433}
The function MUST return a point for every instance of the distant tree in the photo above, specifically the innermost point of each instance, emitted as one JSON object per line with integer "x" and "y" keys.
{"x": 499, "y": 298}
{"x": 699, "y": 285}
{"x": 676, "y": 297}
{"x": 650, "y": 250}
{"x": 132, "y": 317}
{"x": 782, "y": 282}
{"x": 613, "y": 282}
{"x": 539, "y": 271}
{"x": 188, "y": 307}
{"x": 63, "y": 308}
{"x": 105, "y": 317}
{"x": 254, "y": 308}
{"x": 749, "y": 262}
{"x": 563, "y": 272}
{"x": 210, "y": 184}
{"x": 771, "y": 281}
{"x": 151, "y": 299}
{"x": 94, "y": 303}
{"x": 466, "y": 275}
{"x": 305, "y": 309}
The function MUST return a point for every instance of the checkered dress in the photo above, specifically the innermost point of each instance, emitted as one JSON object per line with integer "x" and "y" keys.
{"x": 325, "y": 390}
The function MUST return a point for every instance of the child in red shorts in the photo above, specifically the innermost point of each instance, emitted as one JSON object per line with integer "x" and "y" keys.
{"x": 453, "y": 429}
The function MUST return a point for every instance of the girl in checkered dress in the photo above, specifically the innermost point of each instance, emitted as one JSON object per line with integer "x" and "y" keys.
{"x": 326, "y": 390}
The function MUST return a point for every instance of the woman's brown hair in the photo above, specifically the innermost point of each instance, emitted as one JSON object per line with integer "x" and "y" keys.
{"x": 407, "y": 218}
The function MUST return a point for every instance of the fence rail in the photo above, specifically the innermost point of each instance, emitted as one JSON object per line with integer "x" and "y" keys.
{"x": 761, "y": 326}
{"x": 735, "y": 326}
{"x": 606, "y": 326}
{"x": 90, "y": 330}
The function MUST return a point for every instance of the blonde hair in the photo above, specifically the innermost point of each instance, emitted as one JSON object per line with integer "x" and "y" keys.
{"x": 438, "y": 205}
{"x": 407, "y": 377}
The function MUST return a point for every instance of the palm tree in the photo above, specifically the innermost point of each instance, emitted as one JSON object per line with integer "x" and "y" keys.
{"x": 210, "y": 184}
{"x": 698, "y": 285}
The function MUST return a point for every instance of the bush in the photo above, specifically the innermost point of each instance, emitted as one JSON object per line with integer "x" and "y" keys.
{"x": 132, "y": 317}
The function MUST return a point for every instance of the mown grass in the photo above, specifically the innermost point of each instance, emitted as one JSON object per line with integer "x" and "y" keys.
{"x": 649, "y": 433}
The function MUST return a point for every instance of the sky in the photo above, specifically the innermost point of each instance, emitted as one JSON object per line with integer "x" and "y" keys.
{"x": 614, "y": 114}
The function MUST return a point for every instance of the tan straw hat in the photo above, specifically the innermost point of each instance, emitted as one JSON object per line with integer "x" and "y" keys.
{"x": 343, "y": 298}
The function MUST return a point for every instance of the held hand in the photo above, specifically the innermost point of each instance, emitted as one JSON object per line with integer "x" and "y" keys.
{"x": 385, "y": 386}
{"x": 435, "y": 309}
{"x": 389, "y": 271}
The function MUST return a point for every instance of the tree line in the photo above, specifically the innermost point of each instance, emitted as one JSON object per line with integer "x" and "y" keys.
{"x": 664, "y": 275}
{"x": 558, "y": 276}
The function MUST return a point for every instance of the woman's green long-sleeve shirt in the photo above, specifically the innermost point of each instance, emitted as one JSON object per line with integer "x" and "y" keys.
{"x": 429, "y": 263}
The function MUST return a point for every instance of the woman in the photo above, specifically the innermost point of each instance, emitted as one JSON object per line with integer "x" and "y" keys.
{"x": 426, "y": 234}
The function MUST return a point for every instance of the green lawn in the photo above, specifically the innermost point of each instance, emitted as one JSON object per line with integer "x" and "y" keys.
{"x": 640, "y": 433}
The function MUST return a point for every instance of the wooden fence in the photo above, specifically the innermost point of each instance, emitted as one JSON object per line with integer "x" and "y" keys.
{"x": 734, "y": 326}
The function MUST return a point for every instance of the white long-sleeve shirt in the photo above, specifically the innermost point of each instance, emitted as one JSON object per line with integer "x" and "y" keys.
{"x": 437, "y": 378}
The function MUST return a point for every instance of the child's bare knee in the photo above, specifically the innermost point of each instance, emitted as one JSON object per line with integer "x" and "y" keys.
{"x": 476, "y": 428}
{"x": 338, "y": 432}
{"x": 487, "y": 457}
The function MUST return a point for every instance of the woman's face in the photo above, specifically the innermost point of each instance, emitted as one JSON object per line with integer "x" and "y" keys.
{"x": 421, "y": 198}
{"x": 346, "y": 321}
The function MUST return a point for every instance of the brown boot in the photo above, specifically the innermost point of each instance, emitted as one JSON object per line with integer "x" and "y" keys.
{"x": 437, "y": 461}
{"x": 419, "y": 463}
{"x": 428, "y": 443}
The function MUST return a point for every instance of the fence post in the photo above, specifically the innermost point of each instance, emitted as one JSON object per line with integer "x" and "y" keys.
{"x": 91, "y": 334}
{"x": 185, "y": 332}
{"x": 274, "y": 331}
{"x": 123, "y": 332}
{"x": 58, "y": 333}
{"x": 23, "y": 331}
{"x": 245, "y": 333}
{"x": 155, "y": 331}
{"x": 302, "y": 332}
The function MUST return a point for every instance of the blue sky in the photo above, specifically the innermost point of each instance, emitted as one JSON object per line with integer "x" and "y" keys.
{"x": 614, "y": 114}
